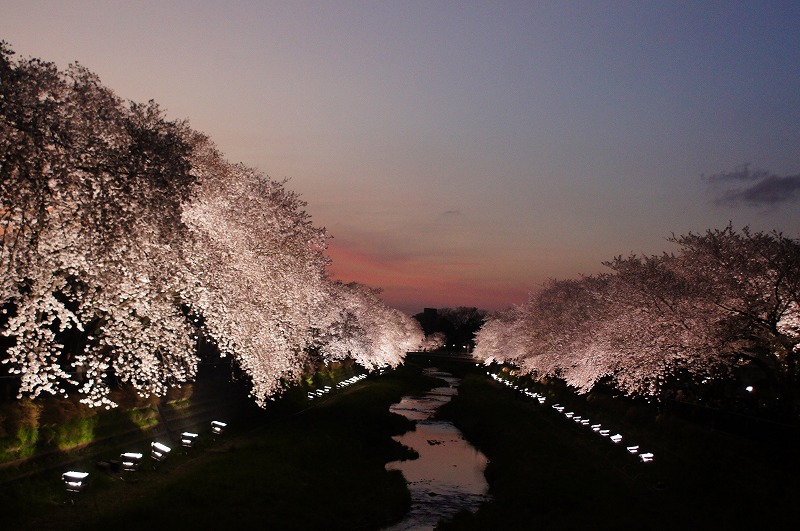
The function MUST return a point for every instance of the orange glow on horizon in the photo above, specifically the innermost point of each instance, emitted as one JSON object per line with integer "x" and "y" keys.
{"x": 413, "y": 283}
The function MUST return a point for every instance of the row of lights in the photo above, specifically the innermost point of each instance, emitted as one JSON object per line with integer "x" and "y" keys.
{"x": 327, "y": 389}
{"x": 646, "y": 457}
{"x": 76, "y": 481}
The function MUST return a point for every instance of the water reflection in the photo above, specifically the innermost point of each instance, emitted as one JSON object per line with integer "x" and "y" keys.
{"x": 448, "y": 475}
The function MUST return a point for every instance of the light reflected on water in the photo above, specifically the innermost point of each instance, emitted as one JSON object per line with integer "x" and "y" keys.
{"x": 448, "y": 475}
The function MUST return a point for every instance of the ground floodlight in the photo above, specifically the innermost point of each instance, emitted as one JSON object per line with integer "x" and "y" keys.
{"x": 188, "y": 439}
{"x": 74, "y": 481}
{"x": 605, "y": 433}
{"x": 616, "y": 438}
{"x": 218, "y": 427}
{"x": 541, "y": 399}
{"x": 646, "y": 457}
{"x": 159, "y": 451}
{"x": 633, "y": 449}
{"x": 130, "y": 461}
{"x": 596, "y": 427}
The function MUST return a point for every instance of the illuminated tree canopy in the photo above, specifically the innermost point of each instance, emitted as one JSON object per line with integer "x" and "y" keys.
{"x": 725, "y": 300}
{"x": 125, "y": 236}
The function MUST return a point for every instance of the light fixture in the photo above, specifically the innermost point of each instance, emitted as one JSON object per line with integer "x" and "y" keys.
{"x": 159, "y": 451}
{"x": 130, "y": 461}
{"x": 188, "y": 439}
{"x": 646, "y": 457}
{"x": 616, "y": 438}
{"x": 74, "y": 481}
{"x": 218, "y": 427}
{"x": 633, "y": 449}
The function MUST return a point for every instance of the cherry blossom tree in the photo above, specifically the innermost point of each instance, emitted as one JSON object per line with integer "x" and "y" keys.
{"x": 124, "y": 236}
{"x": 752, "y": 279}
{"x": 724, "y": 300}
{"x": 88, "y": 185}
{"x": 358, "y": 325}
{"x": 434, "y": 341}
{"x": 257, "y": 268}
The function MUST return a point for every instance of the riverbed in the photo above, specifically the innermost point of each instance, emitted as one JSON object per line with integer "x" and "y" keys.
{"x": 448, "y": 475}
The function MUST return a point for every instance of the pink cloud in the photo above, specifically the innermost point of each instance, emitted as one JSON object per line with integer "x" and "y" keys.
{"x": 413, "y": 283}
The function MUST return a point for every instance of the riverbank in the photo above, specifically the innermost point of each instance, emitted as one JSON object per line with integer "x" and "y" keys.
{"x": 298, "y": 465}
{"x": 546, "y": 472}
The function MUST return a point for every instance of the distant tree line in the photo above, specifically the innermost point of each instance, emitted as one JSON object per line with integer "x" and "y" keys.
{"x": 718, "y": 320}
{"x": 451, "y": 328}
{"x": 127, "y": 238}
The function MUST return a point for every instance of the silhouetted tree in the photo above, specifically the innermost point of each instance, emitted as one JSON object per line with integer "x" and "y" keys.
{"x": 458, "y": 325}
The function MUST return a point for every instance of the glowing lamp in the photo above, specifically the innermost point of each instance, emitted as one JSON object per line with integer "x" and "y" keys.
{"x": 595, "y": 427}
{"x": 188, "y": 439}
{"x": 558, "y": 408}
{"x": 577, "y": 418}
{"x": 585, "y": 422}
{"x": 569, "y": 414}
{"x": 605, "y": 433}
{"x": 616, "y": 438}
{"x": 541, "y": 399}
{"x": 130, "y": 461}
{"x": 749, "y": 388}
{"x": 646, "y": 457}
{"x": 159, "y": 451}
{"x": 218, "y": 427}
{"x": 633, "y": 449}
{"x": 74, "y": 481}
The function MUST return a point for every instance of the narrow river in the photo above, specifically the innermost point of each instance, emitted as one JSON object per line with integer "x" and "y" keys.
{"x": 448, "y": 475}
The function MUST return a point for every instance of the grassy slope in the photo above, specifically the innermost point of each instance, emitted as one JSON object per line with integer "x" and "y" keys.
{"x": 548, "y": 473}
{"x": 322, "y": 467}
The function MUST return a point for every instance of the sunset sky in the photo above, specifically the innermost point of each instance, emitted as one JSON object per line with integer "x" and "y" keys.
{"x": 462, "y": 153}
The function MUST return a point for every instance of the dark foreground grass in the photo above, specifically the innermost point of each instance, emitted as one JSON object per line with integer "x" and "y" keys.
{"x": 546, "y": 472}
{"x": 321, "y": 467}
